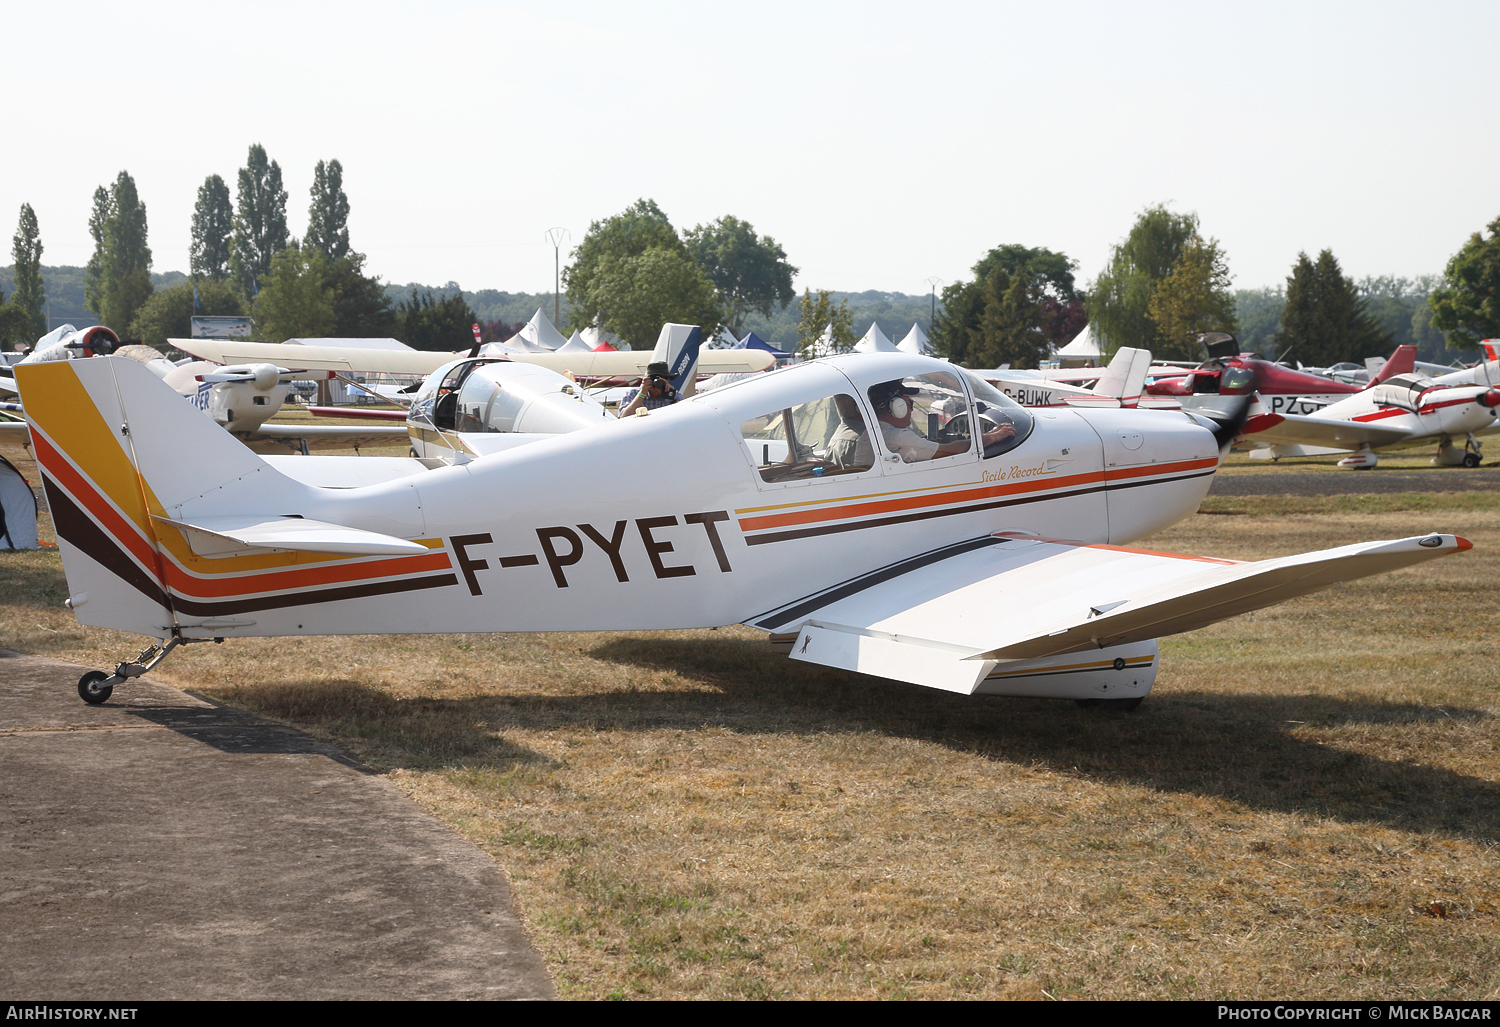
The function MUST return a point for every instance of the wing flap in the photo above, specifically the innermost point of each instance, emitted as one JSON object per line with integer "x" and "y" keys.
{"x": 215, "y": 537}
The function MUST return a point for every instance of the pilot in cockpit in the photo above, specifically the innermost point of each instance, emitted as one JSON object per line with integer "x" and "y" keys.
{"x": 894, "y": 410}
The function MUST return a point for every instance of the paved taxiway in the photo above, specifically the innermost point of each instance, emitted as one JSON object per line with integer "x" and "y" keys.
{"x": 164, "y": 847}
{"x": 1340, "y": 482}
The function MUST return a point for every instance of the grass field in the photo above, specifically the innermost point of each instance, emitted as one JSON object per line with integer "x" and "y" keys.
{"x": 1308, "y": 804}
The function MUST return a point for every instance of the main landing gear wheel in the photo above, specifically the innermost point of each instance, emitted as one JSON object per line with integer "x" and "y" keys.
{"x": 89, "y": 689}
{"x": 1111, "y": 704}
{"x": 1471, "y": 459}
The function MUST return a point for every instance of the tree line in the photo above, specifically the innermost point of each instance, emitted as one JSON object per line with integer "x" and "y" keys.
{"x": 1165, "y": 283}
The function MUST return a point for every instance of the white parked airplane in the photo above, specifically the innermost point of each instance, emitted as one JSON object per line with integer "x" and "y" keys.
{"x": 1405, "y": 410}
{"x": 805, "y": 502}
{"x": 1121, "y": 383}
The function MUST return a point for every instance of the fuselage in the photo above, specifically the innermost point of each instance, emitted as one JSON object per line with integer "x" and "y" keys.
{"x": 695, "y": 515}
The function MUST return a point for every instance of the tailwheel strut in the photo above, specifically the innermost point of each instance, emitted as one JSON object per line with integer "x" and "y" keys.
{"x": 96, "y": 686}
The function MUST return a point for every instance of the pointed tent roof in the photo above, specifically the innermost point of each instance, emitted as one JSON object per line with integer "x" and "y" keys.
{"x": 574, "y": 345}
{"x": 1083, "y": 347}
{"x": 725, "y": 339}
{"x": 916, "y": 341}
{"x": 538, "y": 335}
{"x": 599, "y": 340}
{"x": 753, "y": 341}
{"x": 875, "y": 341}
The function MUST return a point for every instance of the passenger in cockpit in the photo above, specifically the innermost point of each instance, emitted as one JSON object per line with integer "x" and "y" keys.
{"x": 849, "y": 446}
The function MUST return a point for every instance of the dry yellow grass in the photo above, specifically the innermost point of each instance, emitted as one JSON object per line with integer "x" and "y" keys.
{"x": 684, "y": 814}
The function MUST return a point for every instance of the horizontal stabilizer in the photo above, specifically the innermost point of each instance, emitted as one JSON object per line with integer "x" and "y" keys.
{"x": 243, "y": 536}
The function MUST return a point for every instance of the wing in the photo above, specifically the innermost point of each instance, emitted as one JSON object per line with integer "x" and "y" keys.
{"x": 1297, "y": 430}
{"x": 947, "y": 618}
{"x": 623, "y": 363}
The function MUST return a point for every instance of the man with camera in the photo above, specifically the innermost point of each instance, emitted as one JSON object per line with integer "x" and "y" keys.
{"x": 656, "y": 390}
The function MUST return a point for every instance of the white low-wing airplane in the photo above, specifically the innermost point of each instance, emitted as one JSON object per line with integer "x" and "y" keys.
{"x": 1120, "y": 383}
{"x": 1405, "y": 410}
{"x": 805, "y": 502}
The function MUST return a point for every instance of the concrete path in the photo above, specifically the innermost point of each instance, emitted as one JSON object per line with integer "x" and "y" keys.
{"x": 163, "y": 847}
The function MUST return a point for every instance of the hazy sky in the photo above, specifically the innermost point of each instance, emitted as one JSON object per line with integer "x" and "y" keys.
{"x": 880, "y": 144}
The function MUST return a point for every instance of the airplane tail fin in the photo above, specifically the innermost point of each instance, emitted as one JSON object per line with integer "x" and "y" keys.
{"x": 678, "y": 347}
{"x": 1125, "y": 377}
{"x": 1403, "y": 361}
{"x": 119, "y": 453}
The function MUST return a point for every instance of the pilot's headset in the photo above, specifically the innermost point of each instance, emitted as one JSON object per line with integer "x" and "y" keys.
{"x": 893, "y": 398}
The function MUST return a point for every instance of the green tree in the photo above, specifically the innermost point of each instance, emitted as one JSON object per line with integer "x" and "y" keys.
{"x": 361, "y": 308}
{"x": 118, "y": 277}
{"x": 640, "y": 227}
{"x": 1119, "y": 300}
{"x": 296, "y": 301}
{"x": 26, "y": 250}
{"x": 635, "y": 295}
{"x": 1258, "y": 312}
{"x": 213, "y": 227}
{"x": 168, "y": 314}
{"x": 1325, "y": 321}
{"x": 93, "y": 274}
{"x": 446, "y": 323}
{"x": 820, "y": 316}
{"x": 328, "y": 216}
{"x": 1467, "y": 305}
{"x": 15, "y": 325}
{"x": 1193, "y": 298}
{"x": 1055, "y": 302}
{"x": 750, "y": 271}
{"x": 1009, "y": 332}
{"x": 259, "y": 220}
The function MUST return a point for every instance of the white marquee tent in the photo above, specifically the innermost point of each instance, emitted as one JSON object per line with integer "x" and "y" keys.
{"x": 917, "y": 342}
{"x": 539, "y": 335}
{"x": 875, "y": 341}
{"x": 1083, "y": 351}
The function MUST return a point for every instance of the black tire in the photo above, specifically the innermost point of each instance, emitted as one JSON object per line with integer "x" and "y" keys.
{"x": 89, "y": 690}
{"x": 1471, "y": 459}
{"x": 1087, "y": 704}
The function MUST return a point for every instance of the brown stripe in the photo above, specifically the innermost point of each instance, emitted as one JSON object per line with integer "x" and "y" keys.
{"x": 325, "y": 595}
{"x": 79, "y": 529}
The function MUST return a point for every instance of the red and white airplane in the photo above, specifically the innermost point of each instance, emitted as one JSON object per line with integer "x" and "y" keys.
{"x": 1405, "y": 410}
{"x": 995, "y": 557}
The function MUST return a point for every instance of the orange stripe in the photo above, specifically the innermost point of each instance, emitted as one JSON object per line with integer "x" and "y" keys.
{"x": 944, "y": 498}
{"x": 206, "y": 588}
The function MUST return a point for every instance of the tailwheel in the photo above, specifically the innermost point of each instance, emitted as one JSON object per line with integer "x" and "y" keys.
{"x": 90, "y": 689}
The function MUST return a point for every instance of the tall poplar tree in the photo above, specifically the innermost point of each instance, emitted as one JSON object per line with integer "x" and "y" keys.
{"x": 259, "y": 219}
{"x": 117, "y": 281}
{"x": 328, "y": 216}
{"x": 93, "y": 274}
{"x": 213, "y": 225}
{"x": 26, "y": 250}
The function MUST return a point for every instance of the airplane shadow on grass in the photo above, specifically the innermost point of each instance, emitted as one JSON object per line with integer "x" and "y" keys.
{"x": 1235, "y": 747}
{"x": 1230, "y": 746}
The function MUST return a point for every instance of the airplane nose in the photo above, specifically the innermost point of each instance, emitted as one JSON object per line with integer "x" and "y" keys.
{"x": 1490, "y": 399}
